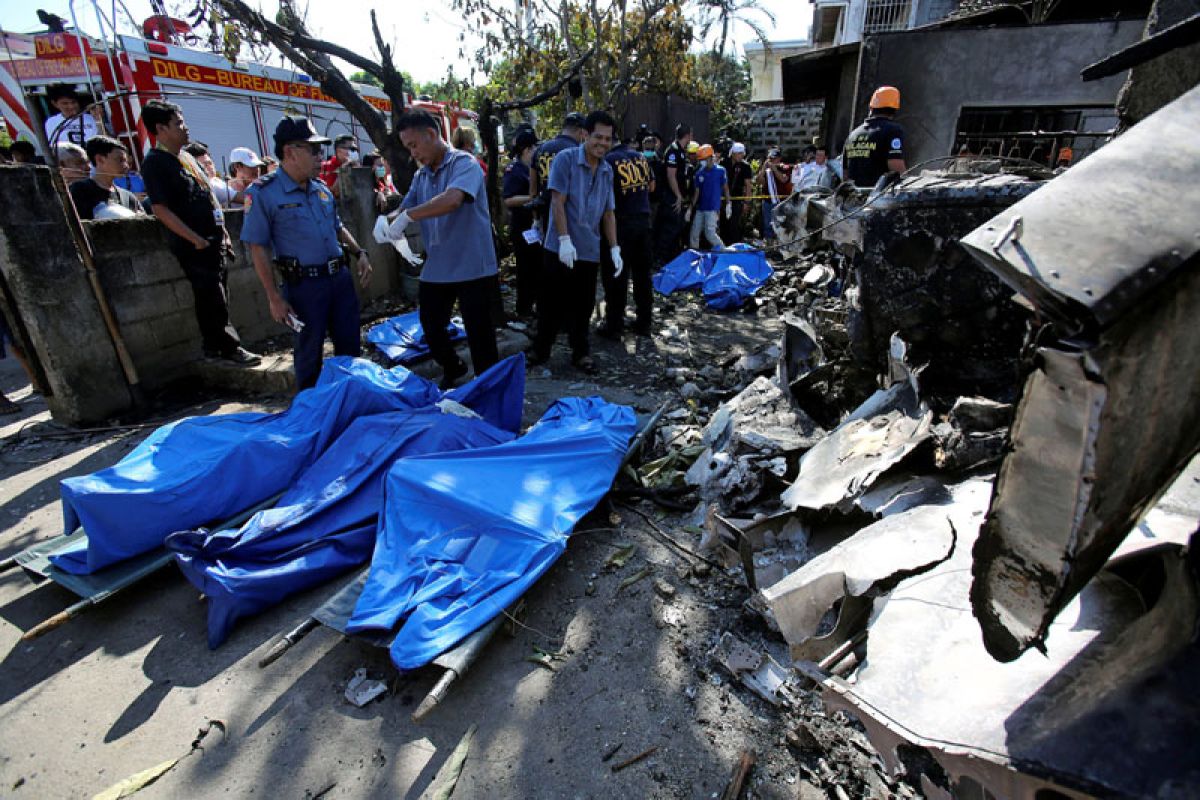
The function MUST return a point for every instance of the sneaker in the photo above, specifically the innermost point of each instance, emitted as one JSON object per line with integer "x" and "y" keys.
{"x": 242, "y": 357}
{"x": 451, "y": 375}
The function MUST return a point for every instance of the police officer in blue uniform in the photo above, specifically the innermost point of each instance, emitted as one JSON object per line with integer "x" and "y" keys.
{"x": 292, "y": 223}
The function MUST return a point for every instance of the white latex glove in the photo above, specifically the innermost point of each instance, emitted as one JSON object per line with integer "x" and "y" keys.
{"x": 398, "y": 225}
{"x": 380, "y": 231}
{"x": 406, "y": 252}
{"x": 728, "y": 210}
{"x": 566, "y": 251}
{"x": 618, "y": 263}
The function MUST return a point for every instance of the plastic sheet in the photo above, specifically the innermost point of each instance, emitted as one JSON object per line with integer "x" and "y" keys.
{"x": 324, "y": 525}
{"x": 727, "y": 278}
{"x": 403, "y": 341}
{"x": 198, "y": 470}
{"x": 464, "y": 534}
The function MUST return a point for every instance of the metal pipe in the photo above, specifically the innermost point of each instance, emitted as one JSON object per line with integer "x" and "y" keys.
{"x": 287, "y": 642}
{"x": 87, "y": 70}
{"x": 122, "y": 98}
{"x": 106, "y": 312}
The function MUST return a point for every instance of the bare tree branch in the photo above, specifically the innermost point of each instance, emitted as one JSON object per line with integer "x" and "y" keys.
{"x": 293, "y": 43}
{"x": 393, "y": 81}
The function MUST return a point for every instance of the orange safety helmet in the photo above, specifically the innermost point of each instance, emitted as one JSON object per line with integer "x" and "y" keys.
{"x": 886, "y": 97}
{"x": 705, "y": 151}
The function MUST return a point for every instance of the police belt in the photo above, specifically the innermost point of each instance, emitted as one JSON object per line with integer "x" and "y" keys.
{"x": 293, "y": 271}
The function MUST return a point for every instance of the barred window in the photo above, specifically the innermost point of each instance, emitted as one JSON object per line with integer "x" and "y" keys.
{"x": 886, "y": 15}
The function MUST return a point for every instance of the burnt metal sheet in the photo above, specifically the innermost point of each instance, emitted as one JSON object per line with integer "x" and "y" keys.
{"x": 1100, "y": 433}
{"x": 878, "y": 435}
{"x": 895, "y": 547}
{"x": 1097, "y": 239}
{"x": 1109, "y": 709}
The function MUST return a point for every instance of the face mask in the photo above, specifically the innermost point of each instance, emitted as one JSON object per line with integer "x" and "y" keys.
{"x": 381, "y": 172}
{"x": 649, "y": 154}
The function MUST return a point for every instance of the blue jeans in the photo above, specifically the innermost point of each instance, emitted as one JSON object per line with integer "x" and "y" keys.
{"x": 768, "y": 228}
{"x": 328, "y": 303}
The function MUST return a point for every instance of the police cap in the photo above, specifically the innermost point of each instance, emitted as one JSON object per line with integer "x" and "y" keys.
{"x": 296, "y": 129}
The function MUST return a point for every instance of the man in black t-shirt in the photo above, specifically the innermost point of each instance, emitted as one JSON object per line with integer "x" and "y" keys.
{"x": 670, "y": 221}
{"x": 96, "y": 197}
{"x": 876, "y": 147}
{"x": 633, "y": 183}
{"x": 181, "y": 198}
{"x": 741, "y": 179}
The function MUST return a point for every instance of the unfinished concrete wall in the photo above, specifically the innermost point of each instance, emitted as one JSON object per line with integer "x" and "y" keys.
{"x": 150, "y": 297}
{"x": 839, "y": 107}
{"x": 54, "y": 301}
{"x": 790, "y": 126}
{"x": 939, "y": 72}
{"x": 358, "y": 211}
{"x": 153, "y": 300}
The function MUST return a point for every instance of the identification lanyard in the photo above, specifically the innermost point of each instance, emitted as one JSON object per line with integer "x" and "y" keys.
{"x": 194, "y": 169}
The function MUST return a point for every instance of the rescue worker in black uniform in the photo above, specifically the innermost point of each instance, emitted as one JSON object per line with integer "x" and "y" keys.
{"x": 633, "y": 183}
{"x": 876, "y": 147}
{"x": 571, "y": 135}
{"x": 674, "y": 196}
{"x": 515, "y": 189}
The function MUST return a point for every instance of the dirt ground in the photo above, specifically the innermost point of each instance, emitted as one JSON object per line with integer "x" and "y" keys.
{"x": 128, "y": 684}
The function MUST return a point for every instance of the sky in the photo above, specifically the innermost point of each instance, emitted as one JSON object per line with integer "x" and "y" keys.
{"x": 426, "y": 35}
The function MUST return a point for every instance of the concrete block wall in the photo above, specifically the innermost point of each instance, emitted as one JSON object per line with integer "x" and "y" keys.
{"x": 791, "y": 127}
{"x": 50, "y": 293}
{"x": 153, "y": 302}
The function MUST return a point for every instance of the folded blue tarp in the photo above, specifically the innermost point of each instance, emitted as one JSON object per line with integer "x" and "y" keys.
{"x": 403, "y": 341}
{"x": 324, "y": 525}
{"x": 462, "y": 535}
{"x": 203, "y": 469}
{"x": 728, "y": 278}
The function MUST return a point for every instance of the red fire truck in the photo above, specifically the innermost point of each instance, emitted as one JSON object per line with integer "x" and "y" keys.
{"x": 226, "y": 104}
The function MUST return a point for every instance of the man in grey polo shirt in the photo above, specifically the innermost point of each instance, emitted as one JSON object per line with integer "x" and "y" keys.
{"x": 448, "y": 200}
{"x": 581, "y": 191}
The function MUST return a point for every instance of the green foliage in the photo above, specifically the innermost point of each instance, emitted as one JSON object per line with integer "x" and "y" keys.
{"x": 719, "y": 17}
{"x": 723, "y": 82}
{"x": 640, "y": 46}
{"x": 369, "y": 79}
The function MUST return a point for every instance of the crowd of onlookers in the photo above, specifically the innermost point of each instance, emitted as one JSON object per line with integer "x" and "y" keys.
{"x": 696, "y": 191}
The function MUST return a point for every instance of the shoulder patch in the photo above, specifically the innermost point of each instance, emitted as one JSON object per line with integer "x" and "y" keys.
{"x": 896, "y": 143}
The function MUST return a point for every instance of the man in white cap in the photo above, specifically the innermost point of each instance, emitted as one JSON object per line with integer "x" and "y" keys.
{"x": 244, "y": 168}
{"x": 741, "y": 181}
